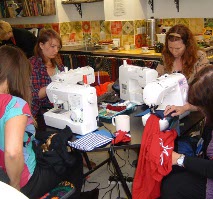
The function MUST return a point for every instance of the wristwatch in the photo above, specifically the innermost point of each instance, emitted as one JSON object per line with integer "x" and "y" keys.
{"x": 180, "y": 160}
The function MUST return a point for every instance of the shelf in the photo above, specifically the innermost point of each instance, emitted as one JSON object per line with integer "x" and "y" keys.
{"x": 77, "y": 4}
{"x": 177, "y": 4}
{"x": 78, "y": 1}
{"x": 26, "y": 8}
{"x": 151, "y": 3}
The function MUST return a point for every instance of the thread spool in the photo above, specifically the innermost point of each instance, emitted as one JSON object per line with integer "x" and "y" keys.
{"x": 85, "y": 79}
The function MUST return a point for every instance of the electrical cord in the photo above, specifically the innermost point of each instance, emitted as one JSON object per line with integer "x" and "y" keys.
{"x": 128, "y": 159}
{"x": 121, "y": 159}
{"x": 110, "y": 190}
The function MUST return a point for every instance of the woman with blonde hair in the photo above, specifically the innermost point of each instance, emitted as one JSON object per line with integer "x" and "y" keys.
{"x": 20, "y": 37}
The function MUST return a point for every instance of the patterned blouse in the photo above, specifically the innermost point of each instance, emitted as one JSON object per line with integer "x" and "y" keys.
{"x": 201, "y": 62}
{"x": 40, "y": 78}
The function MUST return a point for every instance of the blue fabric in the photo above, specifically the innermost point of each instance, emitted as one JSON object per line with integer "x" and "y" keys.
{"x": 90, "y": 141}
{"x": 143, "y": 113}
{"x": 100, "y": 132}
{"x": 173, "y": 121}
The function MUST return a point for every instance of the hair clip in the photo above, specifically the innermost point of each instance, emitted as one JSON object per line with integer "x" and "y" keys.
{"x": 175, "y": 34}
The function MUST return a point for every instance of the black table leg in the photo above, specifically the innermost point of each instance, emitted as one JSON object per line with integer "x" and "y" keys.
{"x": 119, "y": 173}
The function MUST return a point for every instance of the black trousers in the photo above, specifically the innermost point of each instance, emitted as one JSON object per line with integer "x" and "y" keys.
{"x": 45, "y": 179}
{"x": 181, "y": 184}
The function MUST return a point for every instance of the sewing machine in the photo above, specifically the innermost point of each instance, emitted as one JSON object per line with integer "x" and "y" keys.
{"x": 166, "y": 90}
{"x": 73, "y": 76}
{"x": 74, "y": 105}
{"x": 132, "y": 80}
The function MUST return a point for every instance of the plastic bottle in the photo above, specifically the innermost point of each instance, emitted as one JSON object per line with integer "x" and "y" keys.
{"x": 102, "y": 35}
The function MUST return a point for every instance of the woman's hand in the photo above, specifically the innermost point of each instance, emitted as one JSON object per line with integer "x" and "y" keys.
{"x": 178, "y": 110}
{"x": 175, "y": 110}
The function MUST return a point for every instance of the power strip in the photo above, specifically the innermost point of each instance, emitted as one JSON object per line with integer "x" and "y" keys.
{"x": 114, "y": 179}
{"x": 119, "y": 182}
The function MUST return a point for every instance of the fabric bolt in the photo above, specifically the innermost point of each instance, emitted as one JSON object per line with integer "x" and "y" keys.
{"x": 155, "y": 160}
{"x": 66, "y": 59}
{"x": 209, "y": 191}
{"x": 107, "y": 64}
{"x": 90, "y": 141}
{"x": 114, "y": 69}
{"x": 82, "y": 60}
{"x": 40, "y": 78}
{"x": 16, "y": 106}
{"x": 79, "y": 61}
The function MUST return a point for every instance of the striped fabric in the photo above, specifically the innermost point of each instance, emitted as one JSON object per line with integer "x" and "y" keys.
{"x": 90, "y": 142}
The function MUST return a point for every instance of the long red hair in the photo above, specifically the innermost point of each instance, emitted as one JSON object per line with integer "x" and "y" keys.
{"x": 189, "y": 57}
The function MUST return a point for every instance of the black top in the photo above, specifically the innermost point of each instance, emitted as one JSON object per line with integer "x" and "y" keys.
{"x": 24, "y": 39}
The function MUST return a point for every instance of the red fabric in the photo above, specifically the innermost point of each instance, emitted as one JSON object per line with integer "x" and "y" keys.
{"x": 13, "y": 40}
{"x": 149, "y": 172}
{"x": 115, "y": 108}
{"x": 101, "y": 77}
{"x": 102, "y": 88}
{"x": 121, "y": 136}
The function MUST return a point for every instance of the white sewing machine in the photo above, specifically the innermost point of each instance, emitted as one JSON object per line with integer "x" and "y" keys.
{"x": 74, "y": 105}
{"x": 132, "y": 80}
{"x": 73, "y": 76}
{"x": 166, "y": 90}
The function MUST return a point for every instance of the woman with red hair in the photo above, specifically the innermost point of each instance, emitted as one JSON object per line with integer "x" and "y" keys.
{"x": 181, "y": 53}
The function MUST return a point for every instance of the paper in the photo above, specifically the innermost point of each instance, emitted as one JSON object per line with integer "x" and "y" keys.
{"x": 119, "y": 8}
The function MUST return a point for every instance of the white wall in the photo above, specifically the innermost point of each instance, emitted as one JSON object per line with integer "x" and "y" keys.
{"x": 64, "y": 13}
{"x": 187, "y": 9}
{"x": 133, "y": 10}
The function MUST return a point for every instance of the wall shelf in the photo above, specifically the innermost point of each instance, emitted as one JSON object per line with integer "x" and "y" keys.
{"x": 77, "y": 4}
{"x": 151, "y": 3}
{"x": 177, "y": 4}
{"x": 78, "y": 1}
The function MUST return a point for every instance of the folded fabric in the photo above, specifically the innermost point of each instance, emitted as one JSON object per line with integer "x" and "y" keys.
{"x": 90, "y": 141}
{"x": 143, "y": 113}
{"x": 115, "y": 108}
{"x": 100, "y": 132}
{"x": 173, "y": 121}
{"x": 121, "y": 136}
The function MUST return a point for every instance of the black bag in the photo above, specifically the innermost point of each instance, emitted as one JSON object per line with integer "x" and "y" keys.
{"x": 90, "y": 194}
{"x": 55, "y": 152}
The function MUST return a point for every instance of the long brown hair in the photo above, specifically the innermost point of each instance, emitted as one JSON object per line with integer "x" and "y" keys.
{"x": 200, "y": 92}
{"x": 16, "y": 69}
{"x": 190, "y": 57}
{"x": 46, "y": 35}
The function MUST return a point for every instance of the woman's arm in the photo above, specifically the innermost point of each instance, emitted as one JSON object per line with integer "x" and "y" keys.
{"x": 14, "y": 158}
{"x": 196, "y": 165}
{"x": 178, "y": 110}
{"x": 42, "y": 93}
{"x": 160, "y": 70}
